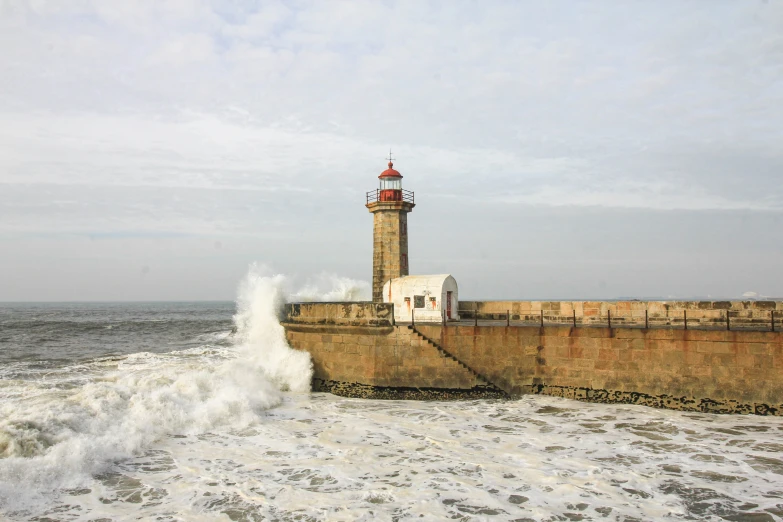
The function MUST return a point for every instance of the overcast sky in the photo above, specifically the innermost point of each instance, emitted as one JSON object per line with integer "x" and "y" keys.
{"x": 154, "y": 149}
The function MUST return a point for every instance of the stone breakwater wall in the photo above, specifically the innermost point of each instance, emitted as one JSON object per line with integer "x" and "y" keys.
{"x": 381, "y": 357}
{"x": 741, "y": 314}
{"x": 695, "y": 370}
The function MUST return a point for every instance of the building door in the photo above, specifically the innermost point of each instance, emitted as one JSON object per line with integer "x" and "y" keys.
{"x": 448, "y": 305}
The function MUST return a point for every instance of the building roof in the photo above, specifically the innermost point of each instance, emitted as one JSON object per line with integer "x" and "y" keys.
{"x": 421, "y": 281}
{"x": 390, "y": 172}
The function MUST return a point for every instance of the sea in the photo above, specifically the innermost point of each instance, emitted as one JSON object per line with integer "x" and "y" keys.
{"x": 201, "y": 411}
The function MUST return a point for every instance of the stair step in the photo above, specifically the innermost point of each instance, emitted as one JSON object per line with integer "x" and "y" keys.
{"x": 441, "y": 350}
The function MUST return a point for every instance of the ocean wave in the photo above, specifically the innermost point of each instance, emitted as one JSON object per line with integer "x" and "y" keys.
{"x": 54, "y": 438}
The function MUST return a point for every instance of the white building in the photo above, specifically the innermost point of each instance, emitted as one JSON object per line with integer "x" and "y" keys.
{"x": 426, "y": 299}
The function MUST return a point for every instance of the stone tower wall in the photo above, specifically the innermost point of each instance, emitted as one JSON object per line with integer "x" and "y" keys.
{"x": 390, "y": 247}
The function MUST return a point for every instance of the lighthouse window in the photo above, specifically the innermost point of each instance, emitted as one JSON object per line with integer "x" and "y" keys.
{"x": 391, "y": 184}
{"x": 418, "y": 301}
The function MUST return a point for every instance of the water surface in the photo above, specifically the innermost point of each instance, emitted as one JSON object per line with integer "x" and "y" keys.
{"x": 155, "y": 411}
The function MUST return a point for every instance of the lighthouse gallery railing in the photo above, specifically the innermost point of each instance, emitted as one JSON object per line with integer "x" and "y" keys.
{"x": 375, "y": 195}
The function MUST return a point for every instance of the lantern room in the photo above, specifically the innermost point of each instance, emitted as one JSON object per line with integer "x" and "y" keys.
{"x": 391, "y": 185}
{"x": 390, "y": 189}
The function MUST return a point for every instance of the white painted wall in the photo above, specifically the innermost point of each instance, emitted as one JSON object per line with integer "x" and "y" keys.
{"x": 434, "y": 288}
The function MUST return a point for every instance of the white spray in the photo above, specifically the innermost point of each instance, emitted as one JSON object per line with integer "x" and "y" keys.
{"x": 329, "y": 287}
{"x": 54, "y": 436}
{"x": 258, "y": 304}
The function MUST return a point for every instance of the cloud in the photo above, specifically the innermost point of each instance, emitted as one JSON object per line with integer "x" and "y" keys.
{"x": 268, "y": 119}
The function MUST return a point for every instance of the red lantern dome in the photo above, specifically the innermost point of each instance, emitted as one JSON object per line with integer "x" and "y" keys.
{"x": 390, "y": 172}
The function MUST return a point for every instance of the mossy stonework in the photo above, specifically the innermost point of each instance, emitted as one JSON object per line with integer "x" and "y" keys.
{"x": 364, "y": 391}
{"x": 693, "y": 370}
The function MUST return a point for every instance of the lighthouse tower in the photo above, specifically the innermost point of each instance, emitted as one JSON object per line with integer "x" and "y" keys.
{"x": 389, "y": 205}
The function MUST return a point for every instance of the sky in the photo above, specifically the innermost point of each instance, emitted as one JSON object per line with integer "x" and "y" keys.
{"x": 154, "y": 149}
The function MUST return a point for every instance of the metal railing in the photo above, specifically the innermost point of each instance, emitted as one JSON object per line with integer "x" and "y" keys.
{"x": 383, "y": 314}
{"x": 374, "y": 196}
{"x": 733, "y": 320}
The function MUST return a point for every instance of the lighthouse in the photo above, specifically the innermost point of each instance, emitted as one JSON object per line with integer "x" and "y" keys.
{"x": 389, "y": 205}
